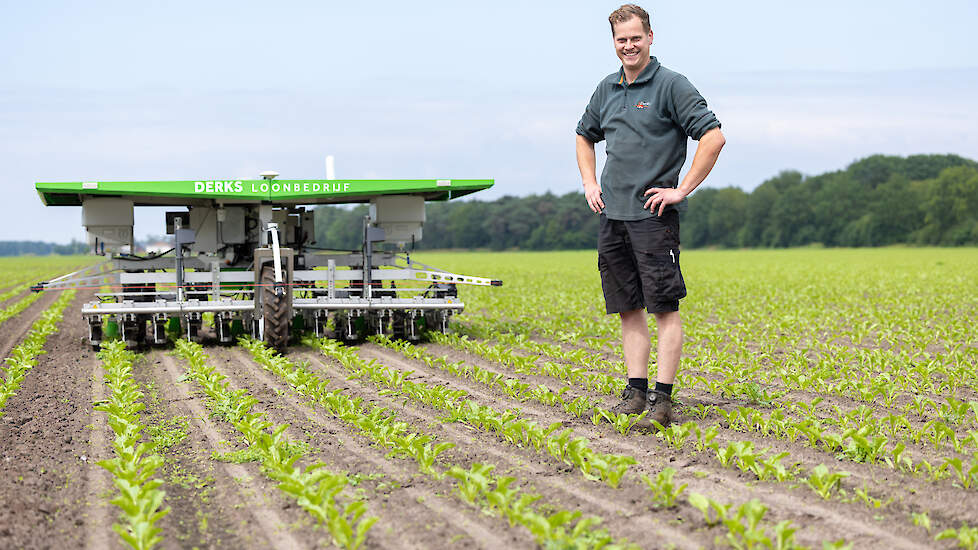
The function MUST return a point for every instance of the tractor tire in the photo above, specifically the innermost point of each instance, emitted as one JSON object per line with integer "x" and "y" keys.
{"x": 275, "y": 311}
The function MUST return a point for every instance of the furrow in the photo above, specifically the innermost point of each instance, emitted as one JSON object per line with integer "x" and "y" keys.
{"x": 274, "y": 528}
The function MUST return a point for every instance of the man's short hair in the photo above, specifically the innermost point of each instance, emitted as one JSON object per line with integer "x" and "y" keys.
{"x": 626, "y": 12}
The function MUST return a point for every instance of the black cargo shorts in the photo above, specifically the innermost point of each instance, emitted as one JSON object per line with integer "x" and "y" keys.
{"x": 639, "y": 263}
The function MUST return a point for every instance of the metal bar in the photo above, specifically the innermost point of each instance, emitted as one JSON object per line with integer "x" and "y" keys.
{"x": 216, "y": 286}
{"x": 406, "y": 274}
{"x": 307, "y": 275}
{"x": 375, "y": 305}
{"x": 331, "y": 279}
{"x": 191, "y": 277}
{"x": 100, "y": 266}
{"x": 99, "y": 308}
{"x": 72, "y": 283}
{"x": 276, "y": 259}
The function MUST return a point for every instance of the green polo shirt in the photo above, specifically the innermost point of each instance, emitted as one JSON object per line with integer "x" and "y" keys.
{"x": 646, "y": 124}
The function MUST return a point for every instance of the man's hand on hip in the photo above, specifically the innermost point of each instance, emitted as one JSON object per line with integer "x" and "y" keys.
{"x": 662, "y": 197}
{"x": 592, "y": 192}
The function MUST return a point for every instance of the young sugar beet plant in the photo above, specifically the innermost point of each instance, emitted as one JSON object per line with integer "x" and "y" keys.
{"x": 23, "y": 357}
{"x": 314, "y": 488}
{"x": 965, "y": 536}
{"x": 476, "y": 485}
{"x": 743, "y": 523}
{"x": 664, "y": 491}
{"x": 139, "y": 497}
{"x": 623, "y": 422}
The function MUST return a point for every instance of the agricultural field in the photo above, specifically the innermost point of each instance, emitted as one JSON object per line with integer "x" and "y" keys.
{"x": 827, "y": 399}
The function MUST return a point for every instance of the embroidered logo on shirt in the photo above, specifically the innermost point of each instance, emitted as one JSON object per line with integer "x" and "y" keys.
{"x": 642, "y": 104}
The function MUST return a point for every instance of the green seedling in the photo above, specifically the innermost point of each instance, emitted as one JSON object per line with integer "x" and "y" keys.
{"x": 967, "y": 476}
{"x": 713, "y": 512}
{"x": 771, "y": 468}
{"x": 473, "y": 483}
{"x": 867, "y": 499}
{"x": 579, "y": 406}
{"x": 664, "y": 490}
{"x": 726, "y": 455}
{"x": 824, "y": 482}
{"x": 921, "y": 519}
{"x": 705, "y": 438}
{"x": 676, "y": 434}
{"x": 744, "y": 528}
{"x": 965, "y": 536}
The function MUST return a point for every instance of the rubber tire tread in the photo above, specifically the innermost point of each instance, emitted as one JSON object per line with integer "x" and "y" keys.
{"x": 274, "y": 311}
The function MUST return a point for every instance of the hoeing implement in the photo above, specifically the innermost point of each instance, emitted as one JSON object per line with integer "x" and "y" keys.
{"x": 245, "y": 251}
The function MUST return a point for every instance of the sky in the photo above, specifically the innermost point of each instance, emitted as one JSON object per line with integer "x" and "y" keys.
{"x": 224, "y": 90}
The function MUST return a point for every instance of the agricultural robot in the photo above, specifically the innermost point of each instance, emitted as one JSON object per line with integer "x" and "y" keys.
{"x": 244, "y": 251}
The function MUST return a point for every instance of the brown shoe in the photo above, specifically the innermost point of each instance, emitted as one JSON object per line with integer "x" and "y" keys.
{"x": 632, "y": 401}
{"x": 660, "y": 408}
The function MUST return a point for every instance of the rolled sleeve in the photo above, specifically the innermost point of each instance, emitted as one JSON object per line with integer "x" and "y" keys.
{"x": 590, "y": 123}
{"x": 690, "y": 109}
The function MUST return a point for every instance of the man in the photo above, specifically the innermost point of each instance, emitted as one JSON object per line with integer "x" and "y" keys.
{"x": 645, "y": 112}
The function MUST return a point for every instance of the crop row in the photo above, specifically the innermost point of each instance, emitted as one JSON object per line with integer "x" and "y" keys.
{"x": 575, "y": 451}
{"x": 741, "y": 454}
{"x": 476, "y": 484}
{"x": 862, "y": 441}
{"x": 24, "y": 357}
{"x": 138, "y": 494}
{"x": 513, "y": 387}
{"x": 512, "y": 335}
{"x": 20, "y": 305}
{"x": 862, "y": 375}
{"x": 15, "y": 290}
{"x": 19, "y": 278}
{"x": 596, "y": 381}
{"x": 315, "y": 488}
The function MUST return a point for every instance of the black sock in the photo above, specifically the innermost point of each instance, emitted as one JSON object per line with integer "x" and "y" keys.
{"x": 639, "y": 383}
{"x": 664, "y": 388}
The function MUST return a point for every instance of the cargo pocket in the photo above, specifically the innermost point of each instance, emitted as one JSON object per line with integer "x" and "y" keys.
{"x": 609, "y": 283}
{"x": 662, "y": 279}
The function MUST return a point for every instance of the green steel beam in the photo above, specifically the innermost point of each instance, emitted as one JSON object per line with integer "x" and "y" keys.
{"x": 291, "y": 192}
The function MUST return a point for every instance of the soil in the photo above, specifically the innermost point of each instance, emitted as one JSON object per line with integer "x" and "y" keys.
{"x": 54, "y": 495}
{"x": 46, "y": 442}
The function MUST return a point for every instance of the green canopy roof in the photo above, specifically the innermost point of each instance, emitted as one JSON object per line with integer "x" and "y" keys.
{"x": 286, "y": 192}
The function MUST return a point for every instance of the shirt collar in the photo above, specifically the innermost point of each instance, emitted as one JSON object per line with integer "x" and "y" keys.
{"x": 643, "y": 76}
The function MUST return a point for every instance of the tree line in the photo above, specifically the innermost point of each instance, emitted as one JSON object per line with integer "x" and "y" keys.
{"x": 879, "y": 200}
{"x": 39, "y": 248}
